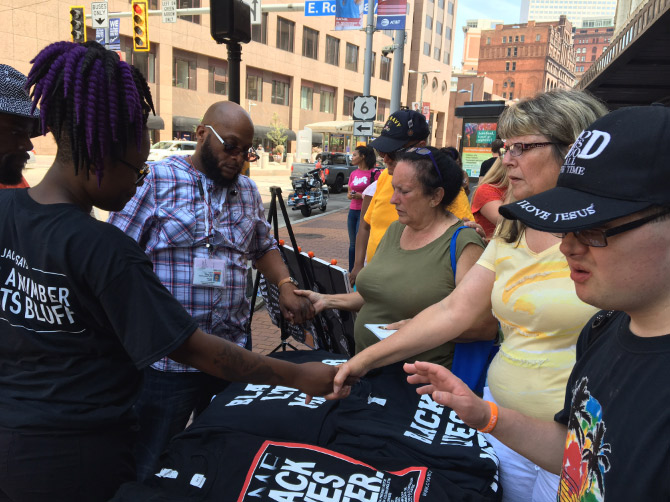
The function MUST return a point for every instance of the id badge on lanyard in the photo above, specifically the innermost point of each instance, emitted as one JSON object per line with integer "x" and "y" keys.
{"x": 209, "y": 271}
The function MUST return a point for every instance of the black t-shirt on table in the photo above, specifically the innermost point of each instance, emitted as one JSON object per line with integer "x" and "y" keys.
{"x": 81, "y": 312}
{"x": 616, "y": 411}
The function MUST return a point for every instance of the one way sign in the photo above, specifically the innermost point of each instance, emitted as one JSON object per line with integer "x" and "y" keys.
{"x": 363, "y": 127}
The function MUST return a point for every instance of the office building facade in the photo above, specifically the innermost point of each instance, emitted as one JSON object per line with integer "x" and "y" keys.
{"x": 575, "y": 10}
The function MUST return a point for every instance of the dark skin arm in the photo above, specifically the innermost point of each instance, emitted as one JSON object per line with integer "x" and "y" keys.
{"x": 295, "y": 309}
{"x": 226, "y": 360}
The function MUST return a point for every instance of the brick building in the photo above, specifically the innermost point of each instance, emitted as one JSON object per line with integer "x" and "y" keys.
{"x": 589, "y": 44}
{"x": 473, "y": 34}
{"x": 524, "y": 59}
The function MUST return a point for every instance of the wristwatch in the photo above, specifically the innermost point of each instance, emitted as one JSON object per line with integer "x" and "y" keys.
{"x": 288, "y": 279}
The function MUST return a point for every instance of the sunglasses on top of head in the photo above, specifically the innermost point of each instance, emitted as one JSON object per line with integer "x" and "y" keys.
{"x": 249, "y": 155}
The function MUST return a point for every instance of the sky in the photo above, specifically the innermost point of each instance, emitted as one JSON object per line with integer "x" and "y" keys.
{"x": 507, "y": 10}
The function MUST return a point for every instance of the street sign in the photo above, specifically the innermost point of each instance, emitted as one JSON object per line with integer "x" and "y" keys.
{"x": 320, "y": 7}
{"x": 99, "y": 15}
{"x": 365, "y": 108}
{"x": 255, "y": 7}
{"x": 169, "y": 10}
{"x": 114, "y": 43}
{"x": 363, "y": 128}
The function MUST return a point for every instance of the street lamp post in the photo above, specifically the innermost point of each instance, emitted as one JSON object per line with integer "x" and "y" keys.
{"x": 423, "y": 73}
{"x": 471, "y": 91}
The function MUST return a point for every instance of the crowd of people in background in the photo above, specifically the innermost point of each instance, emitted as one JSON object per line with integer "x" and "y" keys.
{"x": 144, "y": 318}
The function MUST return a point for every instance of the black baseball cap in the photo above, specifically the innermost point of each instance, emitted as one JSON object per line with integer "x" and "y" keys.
{"x": 617, "y": 166}
{"x": 401, "y": 127}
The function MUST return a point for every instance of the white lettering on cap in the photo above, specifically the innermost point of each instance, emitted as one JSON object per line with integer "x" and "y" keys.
{"x": 593, "y": 138}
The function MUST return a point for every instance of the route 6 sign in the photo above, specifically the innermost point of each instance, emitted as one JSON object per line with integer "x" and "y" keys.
{"x": 365, "y": 107}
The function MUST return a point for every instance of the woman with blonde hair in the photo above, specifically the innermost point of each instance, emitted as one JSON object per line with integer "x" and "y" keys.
{"x": 521, "y": 277}
{"x": 489, "y": 196}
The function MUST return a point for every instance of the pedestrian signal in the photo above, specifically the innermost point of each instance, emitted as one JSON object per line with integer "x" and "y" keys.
{"x": 140, "y": 26}
{"x": 77, "y": 20}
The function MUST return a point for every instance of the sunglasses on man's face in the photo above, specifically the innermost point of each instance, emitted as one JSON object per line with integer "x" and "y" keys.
{"x": 249, "y": 155}
{"x": 141, "y": 172}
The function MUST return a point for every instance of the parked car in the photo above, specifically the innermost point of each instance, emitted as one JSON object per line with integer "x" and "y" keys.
{"x": 164, "y": 149}
{"x": 337, "y": 168}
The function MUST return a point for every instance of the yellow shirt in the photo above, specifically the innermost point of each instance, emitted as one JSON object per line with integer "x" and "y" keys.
{"x": 381, "y": 213}
{"x": 541, "y": 317}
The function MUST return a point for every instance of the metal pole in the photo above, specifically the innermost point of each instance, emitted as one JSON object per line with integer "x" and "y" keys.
{"x": 472, "y": 91}
{"x": 234, "y": 58}
{"x": 421, "y": 93}
{"x": 396, "y": 86}
{"x": 369, "y": 31}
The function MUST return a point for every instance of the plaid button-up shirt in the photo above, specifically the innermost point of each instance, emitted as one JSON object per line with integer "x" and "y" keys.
{"x": 171, "y": 221}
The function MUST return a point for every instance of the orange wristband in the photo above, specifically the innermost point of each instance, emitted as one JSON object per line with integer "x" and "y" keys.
{"x": 493, "y": 420}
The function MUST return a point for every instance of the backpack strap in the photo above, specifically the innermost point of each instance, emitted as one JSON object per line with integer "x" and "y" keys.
{"x": 452, "y": 249}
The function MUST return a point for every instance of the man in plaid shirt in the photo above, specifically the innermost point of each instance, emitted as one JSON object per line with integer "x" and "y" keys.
{"x": 200, "y": 221}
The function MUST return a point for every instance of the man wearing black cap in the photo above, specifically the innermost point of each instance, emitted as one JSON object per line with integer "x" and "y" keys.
{"x": 17, "y": 125}
{"x": 403, "y": 129}
{"x": 612, "y": 208}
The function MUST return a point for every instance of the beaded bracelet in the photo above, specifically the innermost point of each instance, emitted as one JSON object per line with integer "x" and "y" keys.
{"x": 493, "y": 420}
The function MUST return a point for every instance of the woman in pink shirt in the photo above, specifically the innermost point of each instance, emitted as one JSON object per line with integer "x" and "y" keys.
{"x": 364, "y": 159}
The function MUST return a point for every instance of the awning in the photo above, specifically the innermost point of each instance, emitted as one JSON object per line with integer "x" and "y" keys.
{"x": 261, "y": 131}
{"x": 155, "y": 122}
{"x": 184, "y": 124}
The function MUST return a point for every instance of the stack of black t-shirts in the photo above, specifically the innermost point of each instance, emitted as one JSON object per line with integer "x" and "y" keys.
{"x": 384, "y": 443}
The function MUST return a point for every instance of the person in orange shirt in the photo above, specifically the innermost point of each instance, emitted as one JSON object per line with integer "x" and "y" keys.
{"x": 18, "y": 123}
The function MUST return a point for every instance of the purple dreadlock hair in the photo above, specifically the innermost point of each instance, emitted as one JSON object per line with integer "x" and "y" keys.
{"x": 87, "y": 93}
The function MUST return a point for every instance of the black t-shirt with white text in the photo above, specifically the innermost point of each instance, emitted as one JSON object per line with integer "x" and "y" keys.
{"x": 81, "y": 312}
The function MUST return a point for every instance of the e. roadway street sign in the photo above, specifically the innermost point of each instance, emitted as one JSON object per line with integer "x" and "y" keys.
{"x": 320, "y": 7}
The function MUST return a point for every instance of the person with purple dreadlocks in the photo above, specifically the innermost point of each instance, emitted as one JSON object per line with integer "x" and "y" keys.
{"x": 81, "y": 311}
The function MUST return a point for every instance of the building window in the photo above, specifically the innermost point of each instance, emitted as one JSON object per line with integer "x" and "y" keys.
{"x": 306, "y": 97}
{"x": 523, "y": 38}
{"x": 332, "y": 50}
{"x": 143, "y": 61}
{"x": 254, "y": 88}
{"x": 310, "y": 43}
{"x": 440, "y": 4}
{"x": 285, "y": 32}
{"x": 509, "y": 51}
{"x": 513, "y": 65}
{"x": 184, "y": 71}
{"x": 488, "y": 40}
{"x": 505, "y": 84}
{"x": 327, "y": 101}
{"x": 516, "y": 39}
{"x": 373, "y": 63}
{"x": 438, "y": 28}
{"x": 426, "y": 49}
{"x": 382, "y": 106}
{"x": 259, "y": 32}
{"x": 385, "y": 68}
{"x": 351, "y": 57}
{"x": 189, "y": 4}
{"x": 447, "y": 58}
{"x": 537, "y": 38}
{"x": 504, "y": 40}
{"x": 280, "y": 92}
{"x": 429, "y": 23}
{"x": 594, "y": 49}
{"x": 511, "y": 84}
{"x": 507, "y": 66}
{"x": 511, "y": 95}
{"x": 217, "y": 77}
{"x": 447, "y": 33}
{"x": 450, "y": 8}
{"x": 505, "y": 95}
{"x": 347, "y": 105}
{"x": 593, "y": 58}
{"x": 437, "y": 52}
{"x": 515, "y": 52}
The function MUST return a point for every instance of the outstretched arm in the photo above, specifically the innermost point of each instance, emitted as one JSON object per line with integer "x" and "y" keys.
{"x": 226, "y": 360}
{"x": 434, "y": 326}
{"x": 347, "y": 301}
{"x": 542, "y": 442}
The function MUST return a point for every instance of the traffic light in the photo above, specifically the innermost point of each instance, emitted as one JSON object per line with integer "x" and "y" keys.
{"x": 77, "y": 20}
{"x": 140, "y": 26}
{"x": 230, "y": 21}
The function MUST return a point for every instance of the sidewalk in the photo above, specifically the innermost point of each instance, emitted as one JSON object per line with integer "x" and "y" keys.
{"x": 327, "y": 237}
